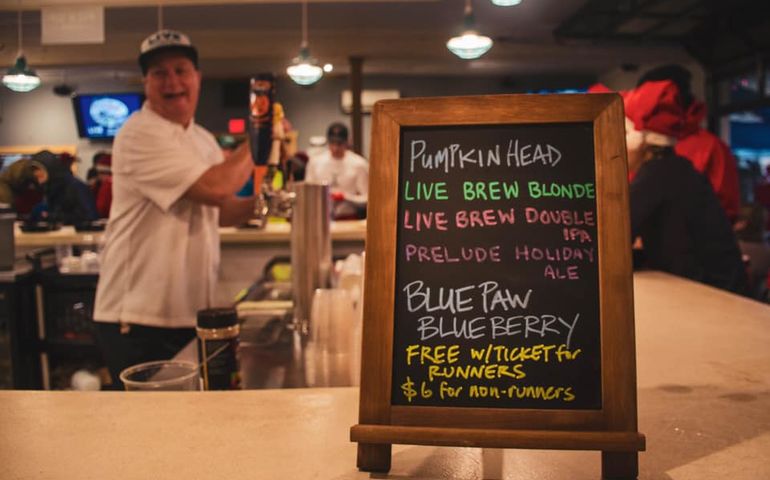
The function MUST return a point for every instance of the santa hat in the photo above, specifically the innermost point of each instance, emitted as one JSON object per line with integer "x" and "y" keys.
{"x": 654, "y": 110}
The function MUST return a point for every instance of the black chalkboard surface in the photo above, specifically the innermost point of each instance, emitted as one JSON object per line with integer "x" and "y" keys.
{"x": 498, "y": 301}
{"x": 496, "y": 296}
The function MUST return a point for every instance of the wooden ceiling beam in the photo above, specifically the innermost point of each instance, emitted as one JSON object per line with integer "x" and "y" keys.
{"x": 38, "y": 4}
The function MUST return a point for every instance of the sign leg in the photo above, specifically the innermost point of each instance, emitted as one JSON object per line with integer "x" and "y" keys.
{"x": 373, "y": 457}
{"x": 492, "y": 463}
{"x": 620, "y": 465}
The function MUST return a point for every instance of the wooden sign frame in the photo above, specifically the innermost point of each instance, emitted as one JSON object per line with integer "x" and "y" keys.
{"x": 612, "y": 429}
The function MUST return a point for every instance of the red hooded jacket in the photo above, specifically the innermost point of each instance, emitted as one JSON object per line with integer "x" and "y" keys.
{"x": 708, "y": 154}
{"x": 712, "y": 157}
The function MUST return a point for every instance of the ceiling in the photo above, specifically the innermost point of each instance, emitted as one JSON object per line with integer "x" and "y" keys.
{"x": 716, "y": 33}
{"x": 241, "y": 37}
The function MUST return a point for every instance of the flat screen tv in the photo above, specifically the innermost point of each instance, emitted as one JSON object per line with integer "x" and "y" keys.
{"x": 100, "y": 115}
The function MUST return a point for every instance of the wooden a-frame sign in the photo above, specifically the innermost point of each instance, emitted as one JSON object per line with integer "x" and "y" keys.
{"x": 499, "y": 224}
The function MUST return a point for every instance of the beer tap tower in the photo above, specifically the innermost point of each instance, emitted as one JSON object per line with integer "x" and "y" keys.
{"x": 307, "y": 206}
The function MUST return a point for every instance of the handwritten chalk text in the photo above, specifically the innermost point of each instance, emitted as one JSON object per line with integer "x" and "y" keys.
{"x": 512, "y": 154}
{"x": 525, "y": 253}
{"x": 420, "y": 297}
{"x": 442, "y": 254}
{"x": 490, "y": 190}
{"x": 560, "y": 217}
{"x": 425, "y": 191}
{"x": 561, "y": 190}
{"x": 528, "y": 326}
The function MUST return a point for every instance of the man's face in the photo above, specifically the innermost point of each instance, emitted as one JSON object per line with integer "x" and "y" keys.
{"x": 172, "y": 85}
{"x": 337, "y": 149}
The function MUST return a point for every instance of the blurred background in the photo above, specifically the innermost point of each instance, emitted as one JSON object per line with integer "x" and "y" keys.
{"x": 400, "y": 49}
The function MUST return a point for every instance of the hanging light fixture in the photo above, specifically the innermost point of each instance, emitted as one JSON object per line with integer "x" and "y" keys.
{"x": 304, "y": 69}
{"x": 506, "y": 3}
{"x": 21, "y": 78}
{"x": 470, "y": 44}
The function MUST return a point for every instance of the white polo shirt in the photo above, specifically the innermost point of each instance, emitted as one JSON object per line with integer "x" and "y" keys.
{"x": 161, "y": 256}
{"x": 350, "y": 174}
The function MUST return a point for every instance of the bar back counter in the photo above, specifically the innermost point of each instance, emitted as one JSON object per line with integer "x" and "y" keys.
{"x": 51, "y": 329}
{"x": 704, "y": 406}
{"x": 245, "y": 251}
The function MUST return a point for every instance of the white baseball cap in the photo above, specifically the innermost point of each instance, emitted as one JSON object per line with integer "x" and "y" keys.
{"x": 165, "y": 40}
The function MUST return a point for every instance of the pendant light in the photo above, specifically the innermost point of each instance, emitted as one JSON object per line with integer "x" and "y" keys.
{"x": 470, "y": 44}
{"x": 304, "y": 69}
{"x": 506, "y": 3}
{"x": 21, "y": 78}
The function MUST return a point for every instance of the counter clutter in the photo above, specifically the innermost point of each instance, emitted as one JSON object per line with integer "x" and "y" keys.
{"x": 703, "y": 400}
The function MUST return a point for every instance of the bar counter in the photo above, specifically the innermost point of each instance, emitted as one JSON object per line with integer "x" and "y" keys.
{"x": 245, "y": 251}
{"x": 353, "y": 230}
{"x": 704, "y": 406}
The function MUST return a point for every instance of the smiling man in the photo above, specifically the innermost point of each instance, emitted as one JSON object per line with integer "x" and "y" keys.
{"x": 172, "y": 188}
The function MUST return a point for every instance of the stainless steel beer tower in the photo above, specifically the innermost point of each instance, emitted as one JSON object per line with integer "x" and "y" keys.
{"x": 311, "y": 248}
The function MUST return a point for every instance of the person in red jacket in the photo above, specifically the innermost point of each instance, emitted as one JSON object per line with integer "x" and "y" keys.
{"x": 100, "y": 182}
{"x": 104, "y": 192}
{"x": 707, "y": 152}
{"x": 674, "y": 209}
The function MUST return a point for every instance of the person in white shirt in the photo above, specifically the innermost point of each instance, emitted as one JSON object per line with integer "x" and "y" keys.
{"x": 172, "y": 188}
{"x": 346, "y": 173}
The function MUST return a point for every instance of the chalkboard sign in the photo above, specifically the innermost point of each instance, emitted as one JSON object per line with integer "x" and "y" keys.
{"x": 496, "y": 271}
{"x": 498, "y": 302}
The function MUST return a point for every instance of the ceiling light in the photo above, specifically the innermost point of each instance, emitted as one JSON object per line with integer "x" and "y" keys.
{"x": 328, "y": 67}
{"x": 304, "y": 69}
{"x": 506, "y": 3}
{"x": 470, "y": 44}
{"x": 21, "y": 78}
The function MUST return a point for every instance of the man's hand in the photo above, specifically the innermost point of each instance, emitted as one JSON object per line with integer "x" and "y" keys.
{"x": 236, "y": 211}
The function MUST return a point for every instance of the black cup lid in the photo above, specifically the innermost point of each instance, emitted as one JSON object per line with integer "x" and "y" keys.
{"x": 217, "y": 318}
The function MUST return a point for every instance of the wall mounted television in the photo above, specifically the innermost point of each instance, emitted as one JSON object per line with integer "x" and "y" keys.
{"x": 100, "y": 115}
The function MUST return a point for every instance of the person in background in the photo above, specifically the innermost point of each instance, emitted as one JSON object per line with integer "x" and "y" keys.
{"x": 762, "y": 196}
{"x": 20, "y": 180}
{"x": 68, "y": 199}
{"x": 296, "y": 166}
{"x": 293, "y": 161}
{"x": 100, "y": 181}
{"x": 346, "y": 173}
{"x": 750, "y": 230}
{"x": 172, "y": 189}
{"x": 707, "y": 152}
{"x": 683, "y": 228}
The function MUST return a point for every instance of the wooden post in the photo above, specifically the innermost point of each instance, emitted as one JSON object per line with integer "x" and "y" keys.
{"x": 356, "y": 82}
{"x": 492, "y": 463}
{"x": 620, "y": 465}
{"x": 373, "y": 457}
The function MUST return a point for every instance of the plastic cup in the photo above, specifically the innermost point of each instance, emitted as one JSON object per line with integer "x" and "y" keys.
{"x": 328, "y": 353}
{"x": 162, "y": 375}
